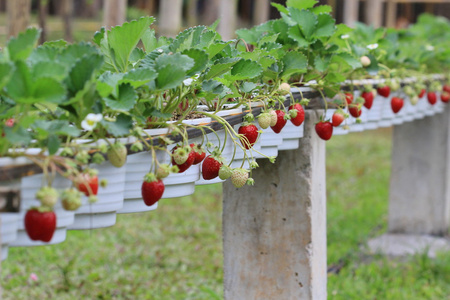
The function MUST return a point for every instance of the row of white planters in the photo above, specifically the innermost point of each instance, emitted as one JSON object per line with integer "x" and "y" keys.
{"x": 381, "y": 115}
{"x": 123, "y": 194}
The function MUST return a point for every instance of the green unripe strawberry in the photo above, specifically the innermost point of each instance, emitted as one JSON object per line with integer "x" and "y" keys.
{"x": 264, "y": 120}
{"x": 239, "y": 177}
{"x": 225, "y": 172}
{"x": 71, "y": 199}
{"x": 117, "y": 155}
{"x": 48, "y": 196}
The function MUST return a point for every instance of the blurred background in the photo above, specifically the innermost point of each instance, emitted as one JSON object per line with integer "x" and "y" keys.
{"x": 77, "y": 20}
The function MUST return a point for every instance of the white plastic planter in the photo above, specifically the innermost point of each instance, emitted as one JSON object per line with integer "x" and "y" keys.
{"x": 28, "y": 188}
{"x": 110, "y": 199}
{"x": 387, "y": 115}
{"x": 291, "y": 135}
{"x": 181, "y": 184}
{"x": 9, "y": 228}
{"x": 270, "y": 142}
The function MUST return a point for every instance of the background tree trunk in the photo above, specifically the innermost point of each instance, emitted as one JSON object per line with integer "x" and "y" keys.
{"x": 210, "y": 11}
{"x": 170, "y": 17}
{"x": 192, "y": 13}
{"x": 114, "y": 12}
{"x": 43, "y": 12}
{"x": 18, "y": 16}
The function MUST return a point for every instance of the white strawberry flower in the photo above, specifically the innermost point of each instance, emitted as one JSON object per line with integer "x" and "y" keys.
{"x": 345, "y": 36}
{"x": 188, "y": 81}
{"x": 429, "y": 48}
{"x": 91, "y": 120}
{"x": 372, "y": 46}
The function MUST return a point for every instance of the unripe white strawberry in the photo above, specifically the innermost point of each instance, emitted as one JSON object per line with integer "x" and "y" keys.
{"x": 414, "y": 99}
{"x": 239, "y": 177}
{"x": 48, "y": 196}
{"x": 284, "y": 88}
{"x": 264, "y": 120}
{"x": 163, "y": 171}
{"x": 365, "y": 61}
{"x": 180, "y": 155}
{"x": 273, "y": 117}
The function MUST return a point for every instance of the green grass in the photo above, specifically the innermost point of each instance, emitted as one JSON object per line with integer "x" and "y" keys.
{"x": 176, "y": 251}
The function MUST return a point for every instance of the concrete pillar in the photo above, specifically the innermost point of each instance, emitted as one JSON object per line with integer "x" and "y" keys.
{"x": 228, "y": 19}
{"x": 391, "y": 13}
{"x": 419, "y": 200}
{"x": 114, "y": 13}
{"x": 18, "y": 16}
{"x": 374, "y": 13}
{"x": 170, "y": 17}
{"x": 351, "y": 9}
{"x": 274, "y": 233}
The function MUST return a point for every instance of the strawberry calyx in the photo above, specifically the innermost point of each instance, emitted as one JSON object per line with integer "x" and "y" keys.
{"x": 150, "y": 177}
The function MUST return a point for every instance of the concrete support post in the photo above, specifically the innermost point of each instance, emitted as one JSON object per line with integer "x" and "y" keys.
{"x": 419, "y": 199}
{"x": 274, "y": 233}
{"x": 228, "y": 19}
{"x": 114, "y": 13}
{"x": 351, "y": 9}
{"x": 374, "y": 13}
{"x": 170, "y": 17}
{"x": 420, "y": 180}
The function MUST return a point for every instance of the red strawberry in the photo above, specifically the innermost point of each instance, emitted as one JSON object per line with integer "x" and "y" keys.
{"x": 368, "y": 99}
{"x": 422, "y": 93}
{"x": 446, "y": 88}
{"x": 152, "y": 189}
{"x": 87, "y": 183}
{"x": 10, "y": 122}
{"x": 200, "y": 153}
{"x": 210, "y": 167}
{"x": 349, "y": 98}
{"x": 300, "y": 116}
{"x": 384, "y": 91}
{"x": 337, "y": 119}
{"x": 40, "y": 225}
{"x": 445, "y": 97}
{"x": 250, "y": 135}
{"x": 187, "y": 163}
{"x": 432, "y": 98}
{"x": 184, "y": 105}
{"x": 280, "y": 121}
{"x": 355, "y": 111}
{"x": 396, "y": 104}
{"x": 324, "y": 130}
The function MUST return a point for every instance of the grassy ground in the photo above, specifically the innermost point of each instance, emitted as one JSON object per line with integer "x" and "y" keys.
{"x": 175, "y": 252}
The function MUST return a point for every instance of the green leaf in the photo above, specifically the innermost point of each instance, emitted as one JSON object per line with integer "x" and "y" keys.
{"x": 200, "y": 58}
{"x": 322, "y": 9}
{"x": 247, "y": 87}
{"x": 108, "y": 82}
{"x": 348, "y": 59}
{"x": 215, "y": 48}
{"x": 50, "y": 69}
{"x": 294, "y": 62}
{"x": 177, "y": 59}
{"x": 279, "y": 7}
{"x": 55, "y": 44}
{"x": 320, "y": 63}
{"x": 136, "y": 55}
{"x": 212, "y": 86}
{"x": 53, "y": 144}
{"x": 83, "y": 71}
{"x": 48, "y": 90}
{"x": 295, "y": 34}
{"x": 325, "y": 26}
{"x": 123, "y": 39}
{"x": 268, "y": 39}
{"x": 139, "y": 77}
{"x": 306, "y": 20}
{"x": 195, "y": 37}
{"x": 72, "y": 53}
{"x": 301, "y": 4}
{"x": 126, "y": 99}
{"x": 170, "y": 77}
{"x": 149, "y": 40}
{"x": 20, "y": 47}
{"x": 246, "y": 69}
{"x": 20, "y": 84}
{"x": 44, "y": 53}
{"x": 120, "y": 127}
{"x": 6, "y": 70}
{"x": 250, "y": 36}
{"x": 221, "y": 67}
{"x": 99, "y": 36}
{"x": 17, "y": 135}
